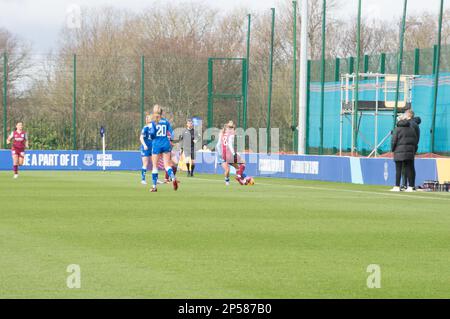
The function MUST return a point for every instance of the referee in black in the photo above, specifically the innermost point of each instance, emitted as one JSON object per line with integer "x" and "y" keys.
{"x": 188, "y": 139}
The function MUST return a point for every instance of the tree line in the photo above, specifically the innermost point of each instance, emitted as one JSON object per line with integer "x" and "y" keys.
{"x": 176, "y": 42}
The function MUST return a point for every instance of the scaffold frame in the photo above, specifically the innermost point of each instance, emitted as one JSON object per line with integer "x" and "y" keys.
{"x": 383, "y": 105}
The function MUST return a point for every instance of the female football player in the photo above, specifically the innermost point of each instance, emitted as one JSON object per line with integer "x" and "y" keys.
{"x": 174, "y": 159}
{"x": 146, "y": 148}
{"x": 160, "y": 130}
{"x": 20, "y": 143}
{"x": 229, "y": 157}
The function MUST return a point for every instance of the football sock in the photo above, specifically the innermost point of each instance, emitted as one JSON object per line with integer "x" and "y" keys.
{"x": 170, "y": 172}
{"x": 188, "y": 166}
{"x": 227, "y": 179}
{"x": 192, "y": 169}
{"x": 16, "y": 169}
{"x": 241, "y": 170}
{"x": 143, "y": 173}
{"x": 155, "y": 178}
{"x": 166, "y": 176}
{"x": 174, "y": 168}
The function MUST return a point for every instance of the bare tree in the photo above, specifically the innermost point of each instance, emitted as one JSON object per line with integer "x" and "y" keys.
{"x": 18, "y": 53}
{"x": 176, "y": 43}
{"x": 18, "y": 71}
{"x": 376, "y": 37}
{"x": 422, "y": 29}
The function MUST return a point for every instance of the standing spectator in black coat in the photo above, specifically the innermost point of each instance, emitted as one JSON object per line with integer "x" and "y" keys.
{"x": 404, "y": 145}
{"x": 414, "y": 122}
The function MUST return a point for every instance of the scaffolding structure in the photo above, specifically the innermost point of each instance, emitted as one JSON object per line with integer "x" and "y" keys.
{"x": 383, "y": 104}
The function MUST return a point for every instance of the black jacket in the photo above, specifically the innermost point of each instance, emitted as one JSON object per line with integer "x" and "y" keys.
{"x": 404, "y": 141}
{"x": 415, "y": 122}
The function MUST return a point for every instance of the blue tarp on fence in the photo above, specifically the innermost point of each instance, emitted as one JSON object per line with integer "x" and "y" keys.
{"x": 422, "y": 103}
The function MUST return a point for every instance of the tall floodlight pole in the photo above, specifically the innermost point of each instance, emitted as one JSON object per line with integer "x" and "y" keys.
{"x": 303, "y": 97}
{"x": 248, "y": 67}
{"x": 294, "y": 78}
{"x": 436, "y": 78}
{"x": 5, "y": 94}
{"x": 358, "y": 58}
{"x": 269, "y": 99}
{"x": 322, "y": 74}
{"x": 400, "y": 61}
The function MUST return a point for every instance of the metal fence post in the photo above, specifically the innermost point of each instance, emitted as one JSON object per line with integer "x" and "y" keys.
{"x": 435, "y": 47}
{"x": 351, "y": 63}
{"x": 74, "y": 104}
{"x": 383, "y": 63}
{"x": 366, "y": 64}
{"x": 244, "y": 92}
{"x": 210, "y": 93}
{"x": 308, "y": 100}
{"x": 337, "y": 69}
{"x": 322, "y": 74}
{"x": 417, "y": 61}
{"x": 294, "y": 79}
{"x": 5, "y": 97}
{"x": 269, "y": 99}
{"x": 142, "y": 90}
{"x": 247, "y": 71}
{"x": 436, "y": 78}
{"x": 358, "y": 56}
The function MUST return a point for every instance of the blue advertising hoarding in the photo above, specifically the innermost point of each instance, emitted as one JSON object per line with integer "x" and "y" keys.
{"x": 380, "y": 171}
{"x": 74, "y": 160}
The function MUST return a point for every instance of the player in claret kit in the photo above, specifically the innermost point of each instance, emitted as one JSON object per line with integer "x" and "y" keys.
{"x": 146, "y": 148}
{"x": 20, "y": 143}
{"x": 160, "y": 130}
{"x": 228, "y": 156}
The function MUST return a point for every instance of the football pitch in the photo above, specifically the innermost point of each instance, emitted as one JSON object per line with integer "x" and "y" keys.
{"x": 277, "y": 239}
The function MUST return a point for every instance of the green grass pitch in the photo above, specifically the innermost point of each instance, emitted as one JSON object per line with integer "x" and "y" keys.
{"x": 277, "y": 239}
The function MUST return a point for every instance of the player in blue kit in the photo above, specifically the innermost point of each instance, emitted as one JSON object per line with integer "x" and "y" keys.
{"x": 146, "y": 148}
{"x": 160, "y": 131}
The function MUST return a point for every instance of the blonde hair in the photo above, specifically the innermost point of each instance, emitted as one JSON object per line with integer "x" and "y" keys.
{"x": 230, "y": 124}
{"x": 157, "y": 109}
{"x": 409, "y": 114}
{"x": 157, "y": 113}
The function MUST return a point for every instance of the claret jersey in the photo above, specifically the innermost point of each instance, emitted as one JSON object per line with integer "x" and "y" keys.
{"x": 19, "y": 139}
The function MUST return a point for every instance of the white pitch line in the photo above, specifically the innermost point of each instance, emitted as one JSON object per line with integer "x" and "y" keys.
{"x": 397, "y": 195}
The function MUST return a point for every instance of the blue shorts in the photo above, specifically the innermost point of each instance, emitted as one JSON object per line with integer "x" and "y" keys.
{"x": 160, "y": 149}
{"x": 145, "y": 153}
